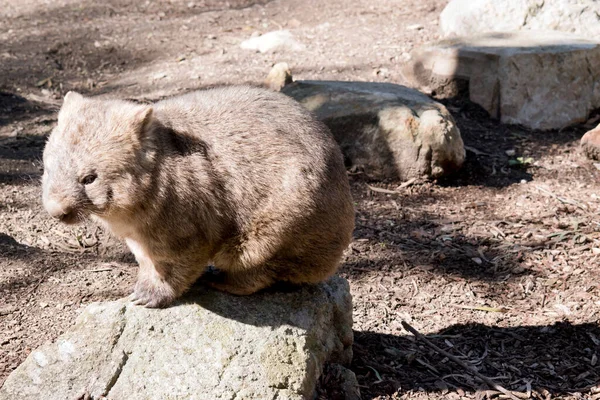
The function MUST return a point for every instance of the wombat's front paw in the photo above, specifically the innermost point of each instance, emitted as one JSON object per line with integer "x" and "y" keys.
{"x": 152, "y": 294}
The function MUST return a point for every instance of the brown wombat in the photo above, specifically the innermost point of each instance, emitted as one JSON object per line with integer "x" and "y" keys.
{"x": 240, "y": 177}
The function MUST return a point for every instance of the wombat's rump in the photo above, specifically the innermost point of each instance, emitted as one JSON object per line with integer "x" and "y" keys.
{"x": 240, "y": 177}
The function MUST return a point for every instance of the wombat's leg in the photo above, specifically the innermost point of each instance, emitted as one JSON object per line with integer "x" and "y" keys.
{"x": 152, "y": 290}
{"x": 242, "y": 283}
{"x": 158, "y": 284}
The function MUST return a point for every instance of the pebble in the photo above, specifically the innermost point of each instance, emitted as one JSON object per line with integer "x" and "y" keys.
{"x": 415, "y": 27}
{"x": 272, "y": 41}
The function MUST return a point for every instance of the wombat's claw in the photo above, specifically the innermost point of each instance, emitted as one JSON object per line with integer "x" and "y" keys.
{"x": 151, "y": 297}
{"x": 149, "y": 302}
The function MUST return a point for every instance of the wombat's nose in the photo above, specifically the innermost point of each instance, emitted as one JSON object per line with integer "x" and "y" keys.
{"x": 56, "y": 209}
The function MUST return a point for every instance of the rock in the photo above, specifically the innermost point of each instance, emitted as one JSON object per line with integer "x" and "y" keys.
{"x": 389, "y": 131}
{"x": 272, "y": 41}
{"x": 416, "y": 27}
{"x": 279, "y": 76}
{"x": 470, "y": 17}
{"x": 348, "y": 384}
{"x": 210, "y": 345}
{"x": 542, "y": 80}
{"x": 590, "y": 144}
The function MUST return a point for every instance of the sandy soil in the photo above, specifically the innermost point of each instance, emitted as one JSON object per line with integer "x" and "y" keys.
{"x": 496, "y": 265}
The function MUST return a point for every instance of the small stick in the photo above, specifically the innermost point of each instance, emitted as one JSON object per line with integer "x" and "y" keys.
{"x": 98, "y": 270}
{"x": 407, "y": 183}
{"x": 562, "y": 200}
{"x": 458, "y": 361}
{"x": 382, "y": 190}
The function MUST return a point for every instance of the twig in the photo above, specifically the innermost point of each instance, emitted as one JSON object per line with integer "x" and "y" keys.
{"x": 458, "y": 361}
{"x": 98, "y": 270}
{"x": 561, "y": 199}
{"x": 276, "y": 23}
{"x": 477, "y": 152}
{"x": 382, "y": 190}
{"x": 482, "y": 308}
{"x": 407, "y": 183}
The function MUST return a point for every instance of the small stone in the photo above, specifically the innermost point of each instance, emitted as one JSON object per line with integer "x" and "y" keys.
{"x": 294, "y": 23}
{"x": 43, "y": 304}
{"x": 590, "y": 144}
{"x": 15, "y": 132}
{"x": 272, "y": 41}
{"x": 510, "y": 152}
{"x": 346, "y": 382}
{"x": 279, "y": 76}
{"x": 518, "y": 269}
{"x": 415, "y": 27}
{"x": 381, "y": 72}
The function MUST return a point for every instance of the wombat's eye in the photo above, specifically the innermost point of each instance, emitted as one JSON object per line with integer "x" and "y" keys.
{"x": 89, "y": 179}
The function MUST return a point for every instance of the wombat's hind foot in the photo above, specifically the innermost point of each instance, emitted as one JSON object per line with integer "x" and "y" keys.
{"x": 152, "y": 293}
{"x": 240, "y": 283}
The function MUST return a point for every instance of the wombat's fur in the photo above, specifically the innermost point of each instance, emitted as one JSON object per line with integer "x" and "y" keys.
{"x": 239, "y": 177}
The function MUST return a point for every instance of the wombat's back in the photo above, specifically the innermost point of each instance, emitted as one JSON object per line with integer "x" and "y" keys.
{"x": 264, "y": 144}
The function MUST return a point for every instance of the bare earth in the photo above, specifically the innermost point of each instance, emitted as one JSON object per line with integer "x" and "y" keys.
{"x": 497, "y": 265}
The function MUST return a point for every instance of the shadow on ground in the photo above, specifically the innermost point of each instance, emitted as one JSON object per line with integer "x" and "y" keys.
{"x": 553, "y": 360}
{"x": 401, "y": 238}
{"x": 487, "y": 142}
{"x": 36, "y": 264}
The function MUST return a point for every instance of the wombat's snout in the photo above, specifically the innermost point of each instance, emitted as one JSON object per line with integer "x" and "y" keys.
{"x": 60, "y": 210}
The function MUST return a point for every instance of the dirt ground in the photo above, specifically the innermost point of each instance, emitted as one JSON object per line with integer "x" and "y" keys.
{"x": 497, "y": 265}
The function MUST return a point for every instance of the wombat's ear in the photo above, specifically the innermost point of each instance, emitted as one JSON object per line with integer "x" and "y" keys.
{"x": 72, "y": 97}
{"x": 142, "y": 119}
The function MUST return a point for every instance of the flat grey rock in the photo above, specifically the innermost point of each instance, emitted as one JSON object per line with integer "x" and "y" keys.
{"x": 471, "y": 17}
{"x": 389, "y": 131}
{"x": 539, "y": 79}
{"x": 211, "y": 345}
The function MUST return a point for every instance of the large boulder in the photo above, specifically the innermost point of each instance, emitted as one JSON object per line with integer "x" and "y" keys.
{"x": 542, "y": 80}
{"x": 211, "y": 345}
{"x": 389, "y": 131}
{"x": 469, "y": 17}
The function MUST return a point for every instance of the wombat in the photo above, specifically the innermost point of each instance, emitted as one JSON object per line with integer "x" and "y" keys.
{"x": 240, "y": 177}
